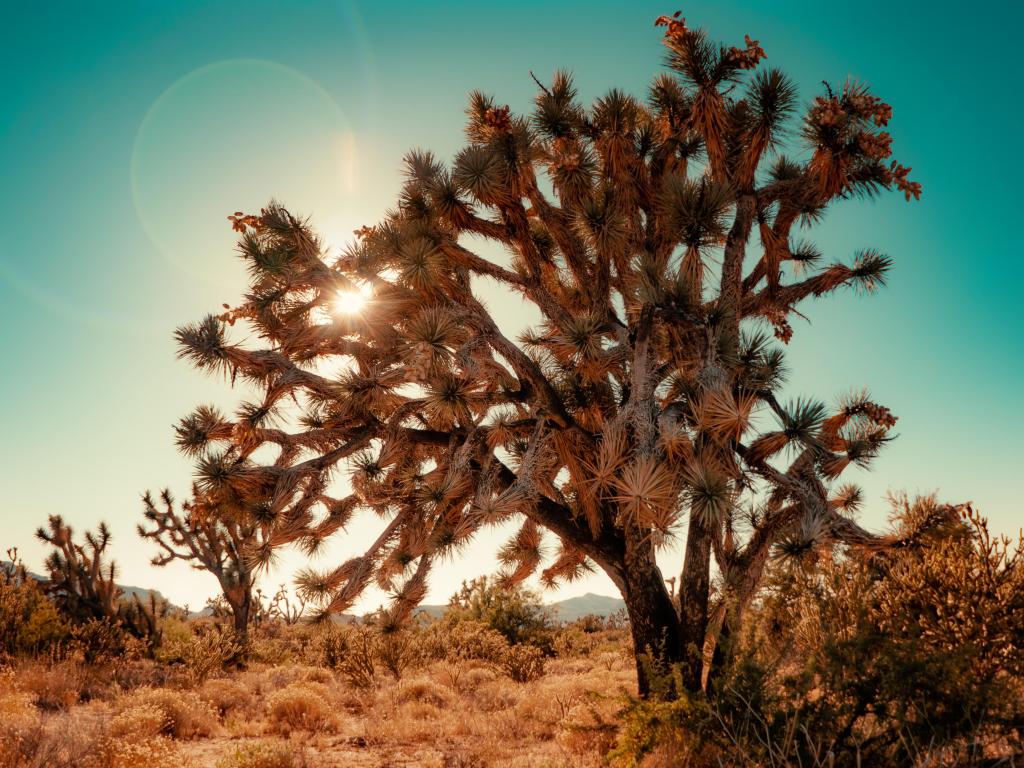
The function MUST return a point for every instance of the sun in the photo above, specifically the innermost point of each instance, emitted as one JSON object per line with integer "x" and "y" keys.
{"x": 352, "y": 302}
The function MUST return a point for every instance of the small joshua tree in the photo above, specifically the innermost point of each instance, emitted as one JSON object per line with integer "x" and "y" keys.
{"x": 82, "y": 583}
{"x": 286, "y": 609}
{"x": 220, "y": 544}
{"x": 658, "y": 242}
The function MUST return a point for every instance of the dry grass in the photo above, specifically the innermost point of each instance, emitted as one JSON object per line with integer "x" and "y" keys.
{"x": 450, "y": 713}
{"x": 264, "y": 754}
{"x": 88, "y": 735}
{"x": 304, "y": 706}
{"x": 444, "y": 713}
{"x": 184, "y": 715}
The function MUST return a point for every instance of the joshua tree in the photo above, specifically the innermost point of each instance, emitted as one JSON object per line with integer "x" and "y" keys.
{"x": 82, "y": 582}
{"x": 657, "y": 241}
{"x": 289, "y": 611}
{"x": 220, "y": 544}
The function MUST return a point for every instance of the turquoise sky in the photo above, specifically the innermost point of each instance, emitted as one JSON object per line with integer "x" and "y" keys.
{"x": 128, "y": 131}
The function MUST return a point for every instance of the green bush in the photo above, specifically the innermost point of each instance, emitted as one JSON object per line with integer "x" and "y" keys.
{"x": 913, "y": 656}
{"x": 916, "y": 654}
{"x": 516, "y": 613}
{"x": 656, "y": 727}
{"x": 30, "y": 624}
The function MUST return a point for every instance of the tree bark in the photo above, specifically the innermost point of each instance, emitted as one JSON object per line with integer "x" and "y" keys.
{"x": 653, "y": 621}
{"x": 694, "y": 590}
{"x": 240, "y": 611}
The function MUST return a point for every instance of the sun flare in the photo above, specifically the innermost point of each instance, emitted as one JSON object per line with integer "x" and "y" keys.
{"x": 354, "y": 301}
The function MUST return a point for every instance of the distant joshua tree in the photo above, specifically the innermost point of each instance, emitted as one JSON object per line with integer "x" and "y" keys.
{"x": 82, "y": 582}
{"x": 223, "y": 545}
{"x": 286, "y": 609}
{"x": 657, "y": 240}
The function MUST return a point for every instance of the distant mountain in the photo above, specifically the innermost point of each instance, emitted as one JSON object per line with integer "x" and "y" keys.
{"x": 433, "y": 611}
{"x": 574, "y": 608}
{"x": 144, "y": 594}
{"x": 567, "y": 610}
{"x": 128, "y": 591}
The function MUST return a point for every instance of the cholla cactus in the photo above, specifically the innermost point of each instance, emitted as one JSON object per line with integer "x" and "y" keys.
{"x": 657, "y": 241}
{"x": 220, "y": 544}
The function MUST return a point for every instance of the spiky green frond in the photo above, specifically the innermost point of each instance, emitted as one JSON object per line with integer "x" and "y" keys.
{"x": 204, "y": 345}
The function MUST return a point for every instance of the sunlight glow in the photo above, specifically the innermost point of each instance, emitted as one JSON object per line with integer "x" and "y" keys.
{"x": 353, "y": 302}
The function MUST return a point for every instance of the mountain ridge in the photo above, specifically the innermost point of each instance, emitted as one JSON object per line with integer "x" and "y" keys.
{"x": 567, "y": 610}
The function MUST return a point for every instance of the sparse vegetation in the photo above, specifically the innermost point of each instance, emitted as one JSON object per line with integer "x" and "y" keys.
{"x": 626, "y": 416}
{"x": 828, "y": 669}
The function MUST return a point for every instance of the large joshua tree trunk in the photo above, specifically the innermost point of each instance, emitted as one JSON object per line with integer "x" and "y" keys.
{"x": 240, "y": 613}
{"x": 667, "y": 633}
{"x": 239, "y": 599}
{"x": 653, "y": 620}
{"x": 694, "y": 592}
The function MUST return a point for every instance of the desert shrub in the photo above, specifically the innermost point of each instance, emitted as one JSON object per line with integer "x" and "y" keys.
{"x": 273, "y": 650}
{"x": 523, "y": 663}
{"x": 399, "y": 651}
{"x": 226, "y": 696}
{"x": 466, "y": 757}
{"x": 496, "y": 695}
{"x": 278, "y": 642}
{"x": 649, "y": 728}
{"x": 303, "y": 706}
{"x": 515, "y": 612}
{"x": 424, "y": 690}
{"x": 200, "y": 649}
{"x": 140, "y": 722}
{"x": 914, "y": 656}
{"x": 591, "y": 623}
{"x": 265, "y": 754}
{"x": 20, "y": 722}
{"x": 590, "y": 729}
{"x": 158, "y": 752}
{"x": 29, "y": 623}
{"x": 474, "y": 677}
{"x": 176, "y": 633}
{"x": 463, "y": 640}
{"x": 352, "y": 652}
{"x": 328, "y": 646}
{"x": 102, "y": 641}
{"x": 185, "y": 714}
{"x": 922, "y": 645}
{"x": 357, "y": 652}
{"x": 55, "y": 686}
{"x": 574, "y": 640}
{"x": 78, "y": 738}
